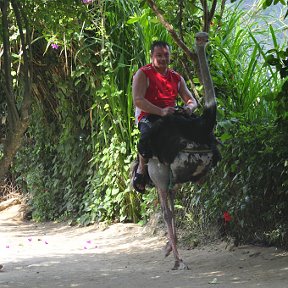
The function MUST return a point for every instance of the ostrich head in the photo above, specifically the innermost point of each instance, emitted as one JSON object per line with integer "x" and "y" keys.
{"x": 201, "y": 39}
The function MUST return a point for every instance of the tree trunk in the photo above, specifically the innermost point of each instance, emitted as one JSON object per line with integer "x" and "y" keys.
{"x": 11, "y": 146}
{"x": 17, "y": 118}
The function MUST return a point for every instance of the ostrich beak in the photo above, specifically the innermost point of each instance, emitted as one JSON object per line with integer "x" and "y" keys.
{"x": 201, "y": 39}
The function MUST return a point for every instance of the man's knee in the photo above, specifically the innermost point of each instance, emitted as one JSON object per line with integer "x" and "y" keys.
{"x": 145, "y": 126}
{"x": 144, "y": 149}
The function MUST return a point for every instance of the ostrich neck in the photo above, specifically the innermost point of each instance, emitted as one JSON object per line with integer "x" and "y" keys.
{"x": 206, "y": 77}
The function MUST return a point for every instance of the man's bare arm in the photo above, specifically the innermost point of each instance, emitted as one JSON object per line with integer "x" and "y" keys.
{"x": 139, "y": 88}
{"x": 187, "y": 96}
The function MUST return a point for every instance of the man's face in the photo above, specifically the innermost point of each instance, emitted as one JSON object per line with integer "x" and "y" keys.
{"x": 161, "y": 57}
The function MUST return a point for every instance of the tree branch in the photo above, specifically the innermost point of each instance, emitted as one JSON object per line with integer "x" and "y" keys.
{"x": 180, "y": 17}
{"x": 27, "y": 77}
{"x": 211, "y": 13}
{"x": 208, "y": 15}
{"x": 17, "y": 125}
{"x": 193, "y": 87}
{"x": 221, "y": 12}
{"x": 13, "y": 115}
{"x": 205, "y": 16}
{"x": 191, "y": 55}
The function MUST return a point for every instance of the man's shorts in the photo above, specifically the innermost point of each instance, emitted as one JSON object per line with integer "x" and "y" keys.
{"x": 144, "y": 126}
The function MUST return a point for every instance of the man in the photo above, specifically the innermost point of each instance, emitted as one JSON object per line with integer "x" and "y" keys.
{"x": 155, "y": 89}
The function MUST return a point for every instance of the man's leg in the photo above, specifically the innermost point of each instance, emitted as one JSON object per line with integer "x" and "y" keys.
{"x": 142, "y": 166}
{"x": 140, "y": 175}
{"x": 144, "y": 153}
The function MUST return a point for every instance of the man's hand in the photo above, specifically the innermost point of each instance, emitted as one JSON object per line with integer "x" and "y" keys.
{"x": 167, "y": 111}
{"x": 188, "y": 109}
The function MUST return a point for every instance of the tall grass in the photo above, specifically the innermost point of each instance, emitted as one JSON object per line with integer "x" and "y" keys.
{"x": 104, "y": 47}
{"x": 124, "y": 46}
{"x": 243, "y": 80}
{"x": 245, "y": 87}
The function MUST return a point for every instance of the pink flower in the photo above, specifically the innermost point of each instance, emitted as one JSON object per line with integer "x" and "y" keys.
{"x": 227, "y": 217}
{"x": 87, "y": 1}
{"x": 54, "y": 46}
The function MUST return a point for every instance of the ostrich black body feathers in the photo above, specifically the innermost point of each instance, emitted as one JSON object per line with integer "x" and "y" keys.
{"x": 171, "y": 134}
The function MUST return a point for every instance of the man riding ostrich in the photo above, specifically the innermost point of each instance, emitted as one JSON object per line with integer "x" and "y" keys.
{"x": 174, "y": 147}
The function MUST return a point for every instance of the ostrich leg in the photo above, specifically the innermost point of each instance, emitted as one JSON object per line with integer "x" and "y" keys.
{"x": 171, "y": 245}
{"x": 160, "y": 175}
{"x": 170, "y": 205}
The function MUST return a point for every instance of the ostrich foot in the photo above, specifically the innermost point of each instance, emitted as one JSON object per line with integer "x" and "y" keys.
{"x": 180, "y": 265}
{"x": 167, "y": 249}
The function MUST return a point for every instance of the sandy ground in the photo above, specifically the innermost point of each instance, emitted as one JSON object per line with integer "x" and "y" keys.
{"x": 123, "y": 256}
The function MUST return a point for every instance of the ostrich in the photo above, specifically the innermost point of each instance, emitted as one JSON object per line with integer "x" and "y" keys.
{"x": 189, "y": 153}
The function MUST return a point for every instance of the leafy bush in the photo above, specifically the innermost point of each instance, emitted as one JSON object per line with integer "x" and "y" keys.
{"x": 77, "y": 152}
{"x": 251, "y": 184}
{"x": 108, "y": 196}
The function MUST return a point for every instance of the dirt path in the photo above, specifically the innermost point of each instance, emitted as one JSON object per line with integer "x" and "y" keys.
{"x": 124, "y": 256}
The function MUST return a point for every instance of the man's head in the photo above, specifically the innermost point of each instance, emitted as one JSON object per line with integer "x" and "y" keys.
{"x": 160, "y": 55}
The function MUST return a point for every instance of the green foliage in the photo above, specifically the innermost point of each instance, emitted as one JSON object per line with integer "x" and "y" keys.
{"x": 75, "y": 162}
{"x": 109, "y": 194}
{"x": 278, "y": 58}
{"x": 239, "y": 70}
{"x": 53, "y": 162}
{"x": 267, "y": 3}
{"x": 251, "y": 180}
{"x": 88, "y": 145}
{"x": 251, "y": 183}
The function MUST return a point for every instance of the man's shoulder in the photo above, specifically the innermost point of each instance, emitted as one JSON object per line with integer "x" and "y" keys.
{"x": 174, "y": 73}
{"x": 148, "y": 70}
{"x": 147, "y": 67}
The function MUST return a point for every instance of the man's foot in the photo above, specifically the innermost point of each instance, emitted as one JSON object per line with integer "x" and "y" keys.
{"x": 140, "y": 175}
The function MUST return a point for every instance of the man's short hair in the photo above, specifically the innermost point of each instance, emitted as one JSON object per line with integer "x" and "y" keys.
{"x": 158, "y": 44}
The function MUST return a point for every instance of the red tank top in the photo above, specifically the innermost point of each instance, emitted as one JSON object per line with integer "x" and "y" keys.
{"x": 162, "y": 90}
